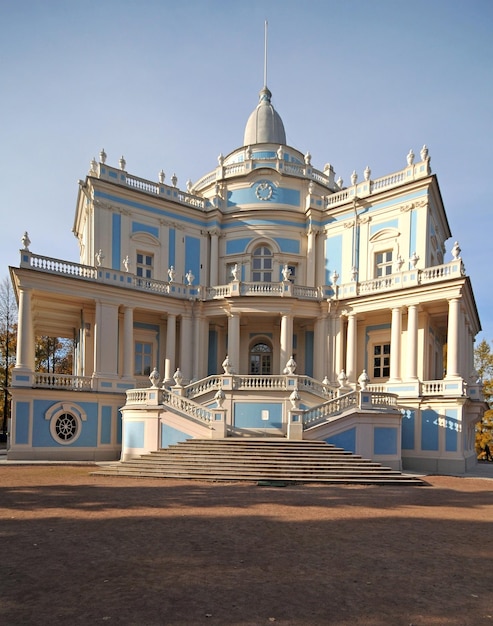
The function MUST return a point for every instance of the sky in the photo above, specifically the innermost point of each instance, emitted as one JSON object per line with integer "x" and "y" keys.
{"x": 170, "y": 85}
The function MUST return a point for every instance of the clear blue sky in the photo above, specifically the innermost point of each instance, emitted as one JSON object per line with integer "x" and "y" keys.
{"x": 171, "y": 84}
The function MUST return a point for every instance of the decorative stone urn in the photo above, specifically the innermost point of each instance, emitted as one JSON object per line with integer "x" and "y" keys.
{"x": 294, "y": 398}
{"x": 154, "y": 378}
{"x": 363, "y": 380}
{"x": 227, "y": 365}
{"x": 178, "y": 377}
{"x": 290, "y": 366}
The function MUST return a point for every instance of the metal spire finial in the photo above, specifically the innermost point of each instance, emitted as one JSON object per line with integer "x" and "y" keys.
{"x": 265, "y": 53}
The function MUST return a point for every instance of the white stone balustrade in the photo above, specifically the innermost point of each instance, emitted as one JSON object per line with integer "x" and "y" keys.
{"x": 398, "y": 280}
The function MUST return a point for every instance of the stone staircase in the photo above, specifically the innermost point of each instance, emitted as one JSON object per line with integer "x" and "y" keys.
{"x": 266, "y": 461}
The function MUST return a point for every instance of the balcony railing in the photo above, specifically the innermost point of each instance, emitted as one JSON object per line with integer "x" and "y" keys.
{"x": 108, "y": 276}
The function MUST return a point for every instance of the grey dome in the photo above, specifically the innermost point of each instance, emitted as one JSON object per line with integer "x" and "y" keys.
{"x": 264, "y": 124}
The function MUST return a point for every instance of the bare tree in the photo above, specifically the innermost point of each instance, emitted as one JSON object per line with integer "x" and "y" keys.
{"x": 8, "y": 343}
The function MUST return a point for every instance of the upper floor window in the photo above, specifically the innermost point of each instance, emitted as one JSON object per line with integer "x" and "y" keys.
{"x": 262, "y": 265}
{"x": 144, "y": 265}
{"x": 143, "y": 358}
{"x": 383, "y": 263}
{"x": 381, "y": 360}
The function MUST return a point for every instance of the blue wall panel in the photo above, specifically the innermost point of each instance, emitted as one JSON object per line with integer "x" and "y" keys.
{"x": 106, "y": 424}
{"x": 408, "y": 423}
{"x": 280, "y": 195}
{"x": 21, "y": 434}
{"x": 452, "y": 427}
{"x": 138, "y": 227}
{"x": 236, "y": 246}
{"x": 192, "y": 257}
{"x": 346, "y": 440}
{"x": 170, "y": 436}
{"x": 288, "y": 245}
{"x": 116, "y": 241}
{"x": 249, "y": 414}
{"x": 41, "y": 426}
{"x": 134, "y": 434}
{"x": 171, "y": 247}
{"x": 384, "y": 440}
{"x": 333, "y": 257}
{"x": 429, "y": 430}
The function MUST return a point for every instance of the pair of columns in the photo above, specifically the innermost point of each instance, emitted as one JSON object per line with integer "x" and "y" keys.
{"x": 286, "y": 339}
{"x": 453, "y": 343}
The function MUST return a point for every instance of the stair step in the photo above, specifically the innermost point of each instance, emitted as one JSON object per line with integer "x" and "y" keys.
{"x": 253, "y": 460}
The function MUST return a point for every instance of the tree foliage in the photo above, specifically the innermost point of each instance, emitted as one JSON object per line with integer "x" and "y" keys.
{"x": 53, "y": 355}
{"x": 483, "y": 360}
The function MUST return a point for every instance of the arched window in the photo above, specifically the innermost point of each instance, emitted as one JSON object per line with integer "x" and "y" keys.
{"x": 262, "y": 265}
{"x": 261, "y": 359}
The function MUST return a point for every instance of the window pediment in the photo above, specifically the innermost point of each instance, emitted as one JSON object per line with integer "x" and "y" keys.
{"x": 145, "y": 238}
{"x": 384, "y": 234}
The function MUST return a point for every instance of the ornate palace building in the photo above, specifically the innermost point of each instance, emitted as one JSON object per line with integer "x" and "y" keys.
{"x": 267, "y": 299}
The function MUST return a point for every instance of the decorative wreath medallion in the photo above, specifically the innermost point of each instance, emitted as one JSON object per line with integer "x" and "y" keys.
{"x": 264, "y": 191}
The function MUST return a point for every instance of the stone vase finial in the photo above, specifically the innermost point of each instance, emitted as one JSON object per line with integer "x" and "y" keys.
{"x": 154, "y": 378}
{"x": 178, "y": 377}
{"x": 363, "y": 380}
{"x": 219, "y": 397}
{"x": 190, "y": 277}
{"x": 294, "y": 398}
{"x": 26, "y": 242}
{"x": 456, "y": 251}
{"x": 342, "y": 379}
{"x": 414, "y": 260}
{"x": 290, "y": 366}
{"x": 227, "y": 365}
{"x": 410, "y": 157}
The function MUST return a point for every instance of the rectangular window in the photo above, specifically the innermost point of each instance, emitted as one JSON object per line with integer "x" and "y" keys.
{"x": 383, "y": 263}
{"x": 144, "y": 265}
{"x": 381, "y": 360}
{"x": 143, "y": 358}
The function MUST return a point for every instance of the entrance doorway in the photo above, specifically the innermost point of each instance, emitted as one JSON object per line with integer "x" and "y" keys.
{"x": 260, "y": 359}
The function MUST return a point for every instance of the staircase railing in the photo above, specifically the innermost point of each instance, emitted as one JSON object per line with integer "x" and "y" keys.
{"x": 332, "y": 407}
{"x": 187, "y": 407}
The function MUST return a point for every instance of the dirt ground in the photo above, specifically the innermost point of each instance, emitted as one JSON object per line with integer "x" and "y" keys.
{"x": 82, "y": 549}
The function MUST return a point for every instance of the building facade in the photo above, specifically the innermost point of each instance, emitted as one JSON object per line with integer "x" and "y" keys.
{"x": 340, "y": 312}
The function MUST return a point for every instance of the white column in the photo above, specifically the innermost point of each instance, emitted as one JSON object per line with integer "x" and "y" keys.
{"x": 338, "y": 351}
{"x": 311, "y": 253}
{"x": 25, "y": 332}
{"x": 234, "y": 340}
{"x": 395, "y": 344}
{"x": 320, "y": 348}
{"x": 351, "y": 348}
{"x": 106, "y": 339}
{"x": 128, "y": 342}
{"x": 201, "y": 336}
{"x": 453, "y": 338}
{"x": 286, "y": 341}
{"x": 214, "y": 260}
{"x": 169, "y": 360}
{"x": 186, "y": 347}
{"x": 412, "y": 342}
